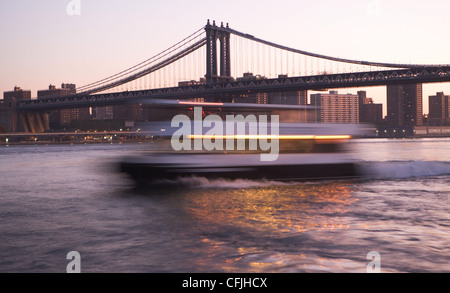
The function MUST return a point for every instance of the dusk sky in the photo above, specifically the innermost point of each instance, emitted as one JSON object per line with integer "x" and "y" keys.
{"x": 42, "y": 44}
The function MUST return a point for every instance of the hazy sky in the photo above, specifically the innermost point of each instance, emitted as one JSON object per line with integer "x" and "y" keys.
{"x": 42, "y": 44}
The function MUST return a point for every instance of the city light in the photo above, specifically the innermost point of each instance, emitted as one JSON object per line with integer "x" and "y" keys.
{"x": 280, "y": 137}
{"x": 200, "y": 103}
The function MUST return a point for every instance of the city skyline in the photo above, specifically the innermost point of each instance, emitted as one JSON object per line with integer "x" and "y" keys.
{"x": 92, "y": 45}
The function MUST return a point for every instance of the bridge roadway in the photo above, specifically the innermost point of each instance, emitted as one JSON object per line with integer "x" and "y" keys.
{"x": 426, "y": 74}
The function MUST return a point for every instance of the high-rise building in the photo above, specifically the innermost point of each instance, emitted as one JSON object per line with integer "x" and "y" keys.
{"x": 336, "y": 108}
{"x": 369, "y": 112}
{"x": 103, "y": 113}
{"x": 439, "y": 109}
{"x": 17, "y": 94}
{"x": 61, "y": 118}
{"x": 404, "y": 105}
{"x": 129, "y": 112}
{"x": 52, "y": 91}
{"x": 9, "y": 118}
{"x": 288, "y": 97}
{"x": 280, "y": 97}
{"x": 303, "y": 97}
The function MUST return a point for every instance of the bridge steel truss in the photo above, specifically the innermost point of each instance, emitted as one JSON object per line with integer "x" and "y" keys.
{"x": 217, "y": 90}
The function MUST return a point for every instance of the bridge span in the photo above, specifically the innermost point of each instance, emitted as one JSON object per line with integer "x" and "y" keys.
{"x": 224, "y": 54}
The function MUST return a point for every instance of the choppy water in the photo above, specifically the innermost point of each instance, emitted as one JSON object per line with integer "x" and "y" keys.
{"x": 56, "y": 199}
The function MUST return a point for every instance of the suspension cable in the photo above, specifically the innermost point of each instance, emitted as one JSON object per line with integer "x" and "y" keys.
{"x": 342, "y": 60}
{"x": 143, "y": 63}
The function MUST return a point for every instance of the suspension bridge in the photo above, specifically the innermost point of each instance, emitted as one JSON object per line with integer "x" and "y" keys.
{"x": 218, "y": 63}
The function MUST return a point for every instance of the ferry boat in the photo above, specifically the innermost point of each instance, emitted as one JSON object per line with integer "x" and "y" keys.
{"x": 306, "y": 151}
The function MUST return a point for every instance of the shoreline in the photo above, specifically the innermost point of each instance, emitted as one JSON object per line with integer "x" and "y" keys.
{"x": 143, "y": 139}
{"x": 40, "y": 143}
{"x": 73, "y": 142}
{"x": 60, "y": 138}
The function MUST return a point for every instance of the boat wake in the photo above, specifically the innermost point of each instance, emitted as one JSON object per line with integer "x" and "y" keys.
{"x": 203, "y": 182}
{"x": 404, "y": 169}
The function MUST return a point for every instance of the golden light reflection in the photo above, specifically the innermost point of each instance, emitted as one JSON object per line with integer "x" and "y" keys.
{"x": 275, "y": 211}
{"x": 285, "y": 208}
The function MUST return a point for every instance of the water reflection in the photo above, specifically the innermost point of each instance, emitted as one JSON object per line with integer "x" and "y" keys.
{"x": 273, "y": 209}
{"x": 238, "y": 225}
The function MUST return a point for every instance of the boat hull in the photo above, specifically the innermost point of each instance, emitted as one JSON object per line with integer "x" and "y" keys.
{"x": 145, "y": 170}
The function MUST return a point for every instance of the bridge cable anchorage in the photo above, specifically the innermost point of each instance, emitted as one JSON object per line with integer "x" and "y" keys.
{"x": 342, "y": 60}
{"x": 95, "y": 86}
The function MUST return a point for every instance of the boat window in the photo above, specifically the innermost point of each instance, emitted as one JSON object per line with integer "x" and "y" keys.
{"x": 285, "y": 146}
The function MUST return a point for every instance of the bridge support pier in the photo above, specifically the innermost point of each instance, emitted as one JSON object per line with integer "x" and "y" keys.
{"x": 9, "y": 117}
{"x": 35, "y": 122}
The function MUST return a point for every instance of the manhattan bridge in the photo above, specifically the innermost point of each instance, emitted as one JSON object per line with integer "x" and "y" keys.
{"x": 211, "y": 64}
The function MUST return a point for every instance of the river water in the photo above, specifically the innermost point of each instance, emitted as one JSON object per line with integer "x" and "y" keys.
{"x": 60, "y": 198}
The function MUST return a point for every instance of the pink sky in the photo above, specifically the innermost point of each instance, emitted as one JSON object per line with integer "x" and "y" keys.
{"x": 42, "y": 44}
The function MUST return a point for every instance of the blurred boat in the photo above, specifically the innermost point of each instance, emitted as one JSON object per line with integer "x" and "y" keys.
{"x": 306, "y": 152}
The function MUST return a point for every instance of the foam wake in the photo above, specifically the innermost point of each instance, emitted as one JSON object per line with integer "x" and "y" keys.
{"x": 404, "y": 169}
{"x": 202, "y": 182}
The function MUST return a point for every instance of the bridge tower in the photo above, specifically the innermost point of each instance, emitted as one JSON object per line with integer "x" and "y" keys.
{"x": 213, "y": 34}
